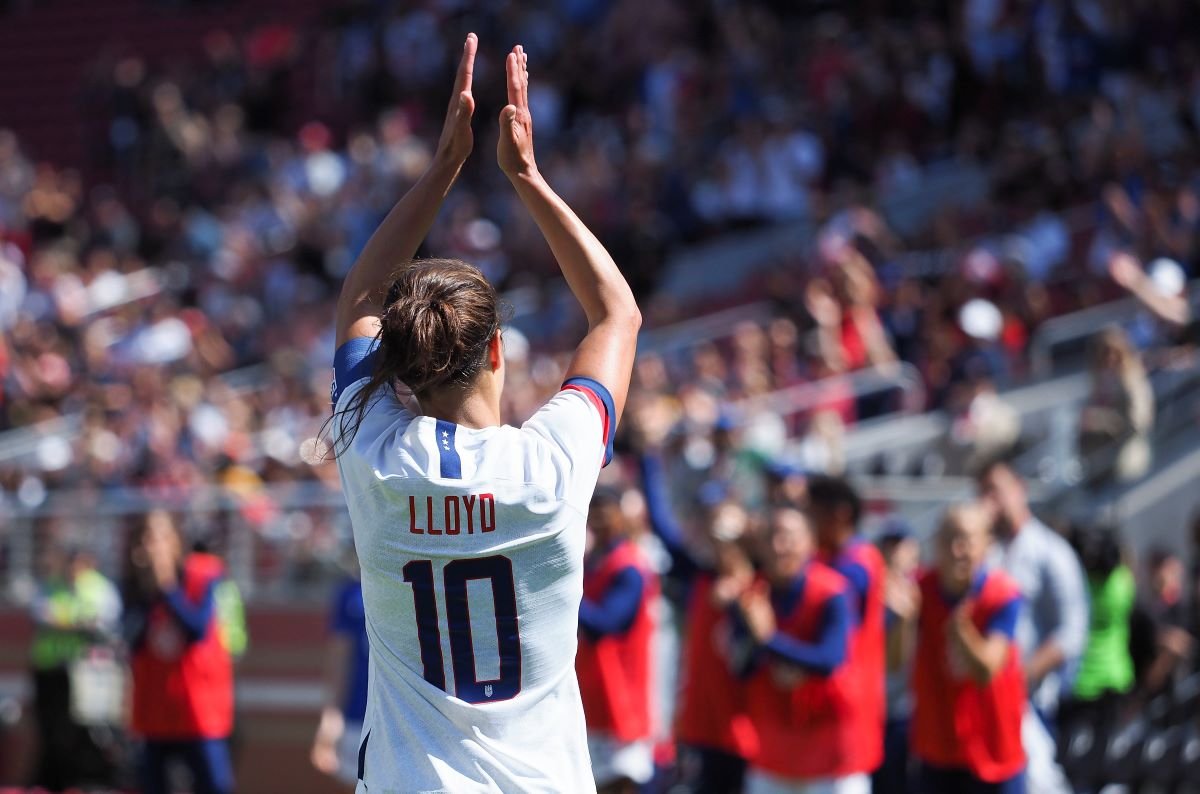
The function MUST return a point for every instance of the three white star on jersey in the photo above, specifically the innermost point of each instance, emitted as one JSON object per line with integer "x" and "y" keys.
{"x": 446, "y": 440}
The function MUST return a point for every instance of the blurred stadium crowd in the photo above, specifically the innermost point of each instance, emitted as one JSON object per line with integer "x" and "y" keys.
{"x": 216, "y": 239}
{"x": 166, "y": 313}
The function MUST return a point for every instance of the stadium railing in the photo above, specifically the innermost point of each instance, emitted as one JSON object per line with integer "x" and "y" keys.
{"x": 1151, "y": 509}
{"x": 897, "y": 446}
{"x": 900, "y": 379}
{"x": 281, "y": 542}
{"x": 701, "y": 330}
{"x": 1060, "y": 342}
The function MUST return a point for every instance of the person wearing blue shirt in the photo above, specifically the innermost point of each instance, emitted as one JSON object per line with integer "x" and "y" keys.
{"x": 335, "y": 746}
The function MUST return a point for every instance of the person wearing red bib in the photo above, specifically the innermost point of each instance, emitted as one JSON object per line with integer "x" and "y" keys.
{"x": 615, "y": 655}
{"x": 799, "y": 690}
{"x": 836, "y": 509}
{"x": 182, "y": 672}
{"x": 712, "y": 726}
{"x": 968, "y": 685}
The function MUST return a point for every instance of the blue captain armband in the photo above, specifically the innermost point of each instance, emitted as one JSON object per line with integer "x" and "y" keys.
{"x": 352, "y": 362}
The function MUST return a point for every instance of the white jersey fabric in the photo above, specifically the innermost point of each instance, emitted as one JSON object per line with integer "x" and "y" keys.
{"x": 471, "y": 545}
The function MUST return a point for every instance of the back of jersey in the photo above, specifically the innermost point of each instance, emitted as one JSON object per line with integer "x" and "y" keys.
{"x": 471, "y": 545}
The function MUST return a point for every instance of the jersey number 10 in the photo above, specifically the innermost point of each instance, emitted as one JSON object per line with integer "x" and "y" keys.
{"x": 456, "y": 574}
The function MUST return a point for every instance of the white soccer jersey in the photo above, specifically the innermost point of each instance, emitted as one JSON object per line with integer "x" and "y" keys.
{"x": 471, "y": 545}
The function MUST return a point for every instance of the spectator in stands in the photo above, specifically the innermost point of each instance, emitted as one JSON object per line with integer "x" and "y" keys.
{"x": 1162, "y": 290}
{"x": 836, "y": 510}
{"x": 615, "y": 653}
{"x": 968, "y": 686}
{"x": 336, "y": 744}
{"x": 1118, "y": 415}
{"x": 901, "y": 552}
{"x": 1106, "y": 673}
{"x": 1163, "y": 648}
{"x": 799, "y": 620}
{"x": 74, "y": 608}
{"x": 786, "y": 484}
{"x": 822, "y": 447}
{"x": 1052, "y": 629}
{"x": 982, "y": 425}
{"x": 182, "y": 672}
{"x": 850, "y": 334}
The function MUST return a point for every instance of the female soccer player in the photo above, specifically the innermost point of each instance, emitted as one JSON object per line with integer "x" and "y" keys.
{"x": 471, "y": 533}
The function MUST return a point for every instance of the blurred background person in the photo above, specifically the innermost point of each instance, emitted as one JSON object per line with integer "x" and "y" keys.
{"x": 1106, "y": 671}
{"x": 1119, "y": 413}
{"x": 901, "y": 552}
{"x": 799, "y": 620}
{"x": 182, "y": 672}
{"x": 1053, "y": 624}
{"x": 836, "y": 510}
{"x": 786, "y": 484}
{"x": 711, "y": 725}
{"x": 1163, "y": 643}
{"x": 335, "y": 746}
{"x": 982, "y": 425}
{"x": 74, "y": 609}
{"x": 230, "y": 606}
{"x": 231, "y": 625}
{"x": 968, "y": 687}
{"x": 615, "y": 657}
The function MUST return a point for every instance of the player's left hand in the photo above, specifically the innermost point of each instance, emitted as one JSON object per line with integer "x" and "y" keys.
{"x": 457, "y": 140}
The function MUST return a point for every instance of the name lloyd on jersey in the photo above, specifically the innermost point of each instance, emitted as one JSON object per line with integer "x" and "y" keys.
{"x": 458, "y": 512}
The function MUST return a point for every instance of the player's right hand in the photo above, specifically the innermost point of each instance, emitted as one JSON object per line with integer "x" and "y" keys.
{"x": 514, "y": 149}
{"x": 457, "y": 140}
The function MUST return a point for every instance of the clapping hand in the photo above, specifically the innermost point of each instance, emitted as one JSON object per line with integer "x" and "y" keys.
{"x": 457, "y": 140}
{"x": 902, "y": 597}
{"x": 514, "y": 149}
{"x": 756, "y": 609}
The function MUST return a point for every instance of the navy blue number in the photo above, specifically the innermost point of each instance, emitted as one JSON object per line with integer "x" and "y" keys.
{"x": 419, "y": 573}
{"x": 456, "y": 574}
{"x": 467, "y": 685}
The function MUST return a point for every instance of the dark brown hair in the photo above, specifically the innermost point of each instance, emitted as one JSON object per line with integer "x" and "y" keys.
{"x": 437, "y": 321}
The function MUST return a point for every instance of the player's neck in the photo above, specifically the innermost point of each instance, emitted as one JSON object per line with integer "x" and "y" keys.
{"x": 475, "y": 409}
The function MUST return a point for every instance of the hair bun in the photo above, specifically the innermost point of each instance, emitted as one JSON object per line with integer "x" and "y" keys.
{"x": 435, "y": 329}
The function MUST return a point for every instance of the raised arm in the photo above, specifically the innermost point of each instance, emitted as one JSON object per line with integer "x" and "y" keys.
{"x": 398, "y": 237}
{"x": 662, "y": 517}
{"x": 1127, "y": 271}
{"x": 606, "y": 353}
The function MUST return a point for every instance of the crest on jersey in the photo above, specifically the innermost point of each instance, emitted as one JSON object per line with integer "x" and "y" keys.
{"x": 487, "y": 689}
